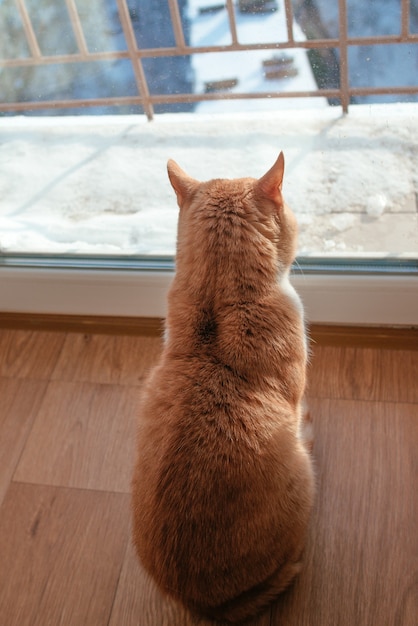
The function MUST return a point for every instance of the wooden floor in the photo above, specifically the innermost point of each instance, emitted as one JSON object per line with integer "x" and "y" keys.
{"x": 67, "y": 424}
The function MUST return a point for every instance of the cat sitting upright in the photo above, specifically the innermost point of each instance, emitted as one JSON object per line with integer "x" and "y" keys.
{"x": 223, "y": 484}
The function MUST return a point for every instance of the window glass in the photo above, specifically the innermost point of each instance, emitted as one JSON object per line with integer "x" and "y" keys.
{"x": 227, "y": 85}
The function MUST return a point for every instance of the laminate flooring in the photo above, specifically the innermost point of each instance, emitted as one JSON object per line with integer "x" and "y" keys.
{"x": 67, "y": 429}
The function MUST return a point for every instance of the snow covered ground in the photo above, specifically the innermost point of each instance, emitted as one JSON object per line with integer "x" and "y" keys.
{"x": 99, "y": 185}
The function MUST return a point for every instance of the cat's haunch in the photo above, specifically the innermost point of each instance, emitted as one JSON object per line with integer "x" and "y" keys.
{"x": 223, "y": 484}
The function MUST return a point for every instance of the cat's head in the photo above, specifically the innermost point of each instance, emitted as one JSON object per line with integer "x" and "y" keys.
{"x": 241, "y": 213}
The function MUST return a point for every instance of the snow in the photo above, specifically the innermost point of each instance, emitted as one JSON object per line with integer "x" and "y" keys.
{"x": 98, "y": 185}
{"x": 376, "y": 205}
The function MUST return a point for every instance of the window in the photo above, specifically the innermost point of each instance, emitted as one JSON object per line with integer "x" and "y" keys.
{"x": 226, "y": 85}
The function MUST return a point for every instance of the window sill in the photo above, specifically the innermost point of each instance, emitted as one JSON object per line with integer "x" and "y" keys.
{"x": 328, "y": 298}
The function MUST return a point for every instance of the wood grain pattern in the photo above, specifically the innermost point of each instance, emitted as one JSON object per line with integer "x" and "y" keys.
{"x": 20, "y": 401}
{"x": 26, "y": 354}
{"x": 139, "y": 602}
{"x": 65, "y": 552}
{"x": 388, "y": 337}
{"x": 92, "y": 324}
{"x": 364, "y": 374}
{"x": 100, "y": 358}
{"x": 362, "y": 553}
{"x": 83, "y": 436}
{"x": 61, "y": 552}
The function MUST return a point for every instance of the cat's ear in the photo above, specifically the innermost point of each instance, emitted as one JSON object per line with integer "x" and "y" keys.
{"x": 182, "y": 183}
{"x": 270, "y": 185}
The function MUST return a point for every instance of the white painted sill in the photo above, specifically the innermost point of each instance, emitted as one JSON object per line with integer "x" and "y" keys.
{"x": 329, "y": 299}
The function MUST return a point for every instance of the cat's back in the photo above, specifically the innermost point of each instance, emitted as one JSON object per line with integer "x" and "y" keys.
{"x": 223, "y": 486}
{"x": 213, "y": 452}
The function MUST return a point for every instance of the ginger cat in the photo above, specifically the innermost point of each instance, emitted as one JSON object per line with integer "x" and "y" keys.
{"x": 223, "y": 485}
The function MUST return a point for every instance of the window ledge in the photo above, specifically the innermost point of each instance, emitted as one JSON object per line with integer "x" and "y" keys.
{"x": 332, "y": 298}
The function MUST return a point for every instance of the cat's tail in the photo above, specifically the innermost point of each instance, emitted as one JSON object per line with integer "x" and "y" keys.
{"x": 253, "y": 601}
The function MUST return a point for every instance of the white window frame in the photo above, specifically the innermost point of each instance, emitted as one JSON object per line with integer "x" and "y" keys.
{"x": 335, "y": 298}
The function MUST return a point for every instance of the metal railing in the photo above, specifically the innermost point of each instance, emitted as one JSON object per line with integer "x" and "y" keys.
{"x": 137, "y": 55}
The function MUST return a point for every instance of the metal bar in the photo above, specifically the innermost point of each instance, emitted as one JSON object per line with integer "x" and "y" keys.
{"x": 29, "y": 32}
{"x": 177, "y": 24}
{"x": 162, "y": 99}
{"x": 77, "y": 28}
{"x": 138, "y": 69}
{"x": 289, "y": 19}
{"x": 136, "y": 55}
{"x": 387, "y": 39}
{"x": 175, "y": 98}
{"x": 59, "y": 59}
{"x": 380, "y": 91}
{"x": 170, "y": 51}
{"x": 70, "y": 104}
{"x": 405, "y": 10}
{"x": 232, "y": 21}
{"x": 172, "y": 99}
{"x": 343, "y": 31}
{"x": 317, "y": 93}
{"x": 165, "y": 52}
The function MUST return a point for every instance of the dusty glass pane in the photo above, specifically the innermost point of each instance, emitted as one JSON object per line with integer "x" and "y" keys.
{"x": 373, "y": 18}
{"x": 102, "y": 79}
{"x": 57, "y": 40}
{"x": 12, "y": 39}
{"x": 413, "y": 16}
{"x": 384, "y": 66}
{"x": 101, "y": 25}
{"x": 319, "y": 19}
